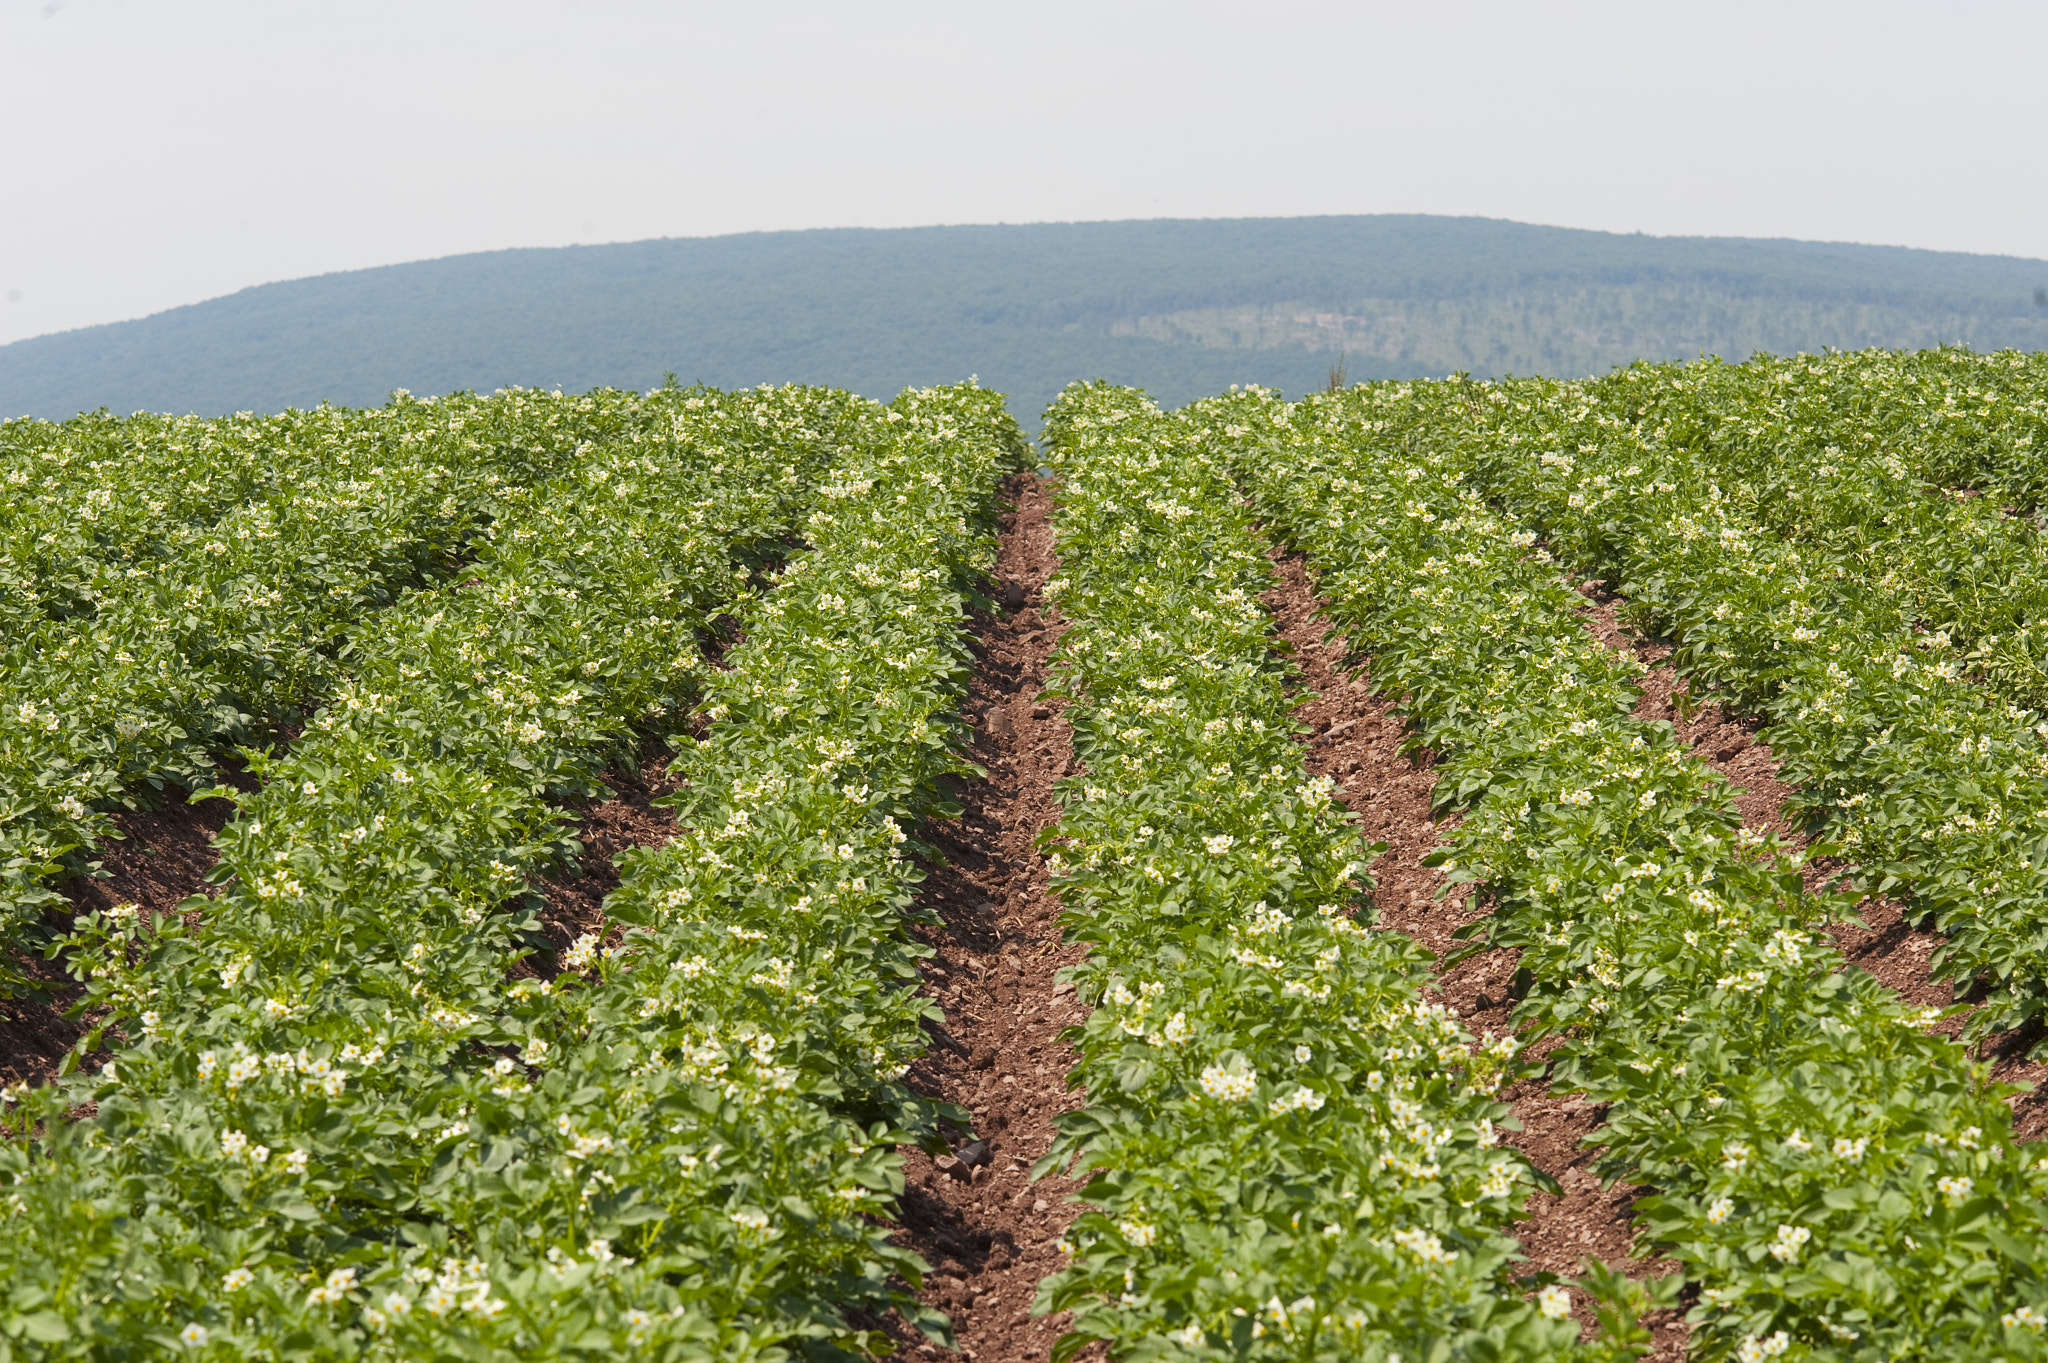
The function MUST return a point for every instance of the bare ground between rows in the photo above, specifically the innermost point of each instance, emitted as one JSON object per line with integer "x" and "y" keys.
{"x": 1890, "y": 944}
{"x": 158, "y": 860}
{"x": 572, "y": 896}
{"x": 1356, "y": 740}
{"x": 610, "y": 825}
{"x": 989, "y": 1233}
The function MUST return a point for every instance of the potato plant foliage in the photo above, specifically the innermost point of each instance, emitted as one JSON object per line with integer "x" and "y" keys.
{"x": 1291, "y": 1154}
{"x": 1839, "y": 1182}
{"x": 171, "y": 587}
{"x": 359, "y": 1108}
{"x": 342, "y": 1124}
{"x": 1793, "y": 527}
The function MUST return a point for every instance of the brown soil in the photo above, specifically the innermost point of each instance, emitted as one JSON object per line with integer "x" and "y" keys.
{"x": 988, "y": 1232}
{"x": 575, "y": 894}
{"x": 160, "y": 859}
{"x": 34, "y": 1033}
{"x": 1357, "y": 740}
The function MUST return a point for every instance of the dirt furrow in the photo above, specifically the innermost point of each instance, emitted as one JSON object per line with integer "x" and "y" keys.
{"x": 988, "y": 1232}
{"x": 159, "y": 860}
{"x": 573, "y": 896}
{"x": 1357, "y": 740}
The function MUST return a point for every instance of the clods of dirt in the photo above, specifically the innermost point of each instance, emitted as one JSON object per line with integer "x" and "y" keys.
{"x": 159, "y": 860}
{"x": 574, "y": 895}
{"x": 989, "y": 1233}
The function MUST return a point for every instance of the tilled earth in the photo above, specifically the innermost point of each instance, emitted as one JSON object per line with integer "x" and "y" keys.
{"x": 159, "y": 860}
{"x": 574, "y": 895}
{"x": 989, "y": 1233}
{"x": 1357, "y": 740}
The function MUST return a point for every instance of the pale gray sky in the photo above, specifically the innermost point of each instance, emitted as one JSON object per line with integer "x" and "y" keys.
{"x": 158, "y": 152}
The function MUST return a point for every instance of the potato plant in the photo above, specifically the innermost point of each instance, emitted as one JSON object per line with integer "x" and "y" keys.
{"x": 182, "y": 586}
{"x": 764, "y": 966}
{"x": 336, "y": 1123}
{"x": 1290, "y": 1153}
{"x": 1838, "y": 1182}
{"x": 1910, "y": 471}
{"x": 1912, "y": 747}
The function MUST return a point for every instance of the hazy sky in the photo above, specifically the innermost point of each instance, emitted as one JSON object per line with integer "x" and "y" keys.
{"x": 158, "y": 152}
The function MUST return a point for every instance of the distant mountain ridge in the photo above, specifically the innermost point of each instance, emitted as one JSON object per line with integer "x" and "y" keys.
{"x": 1181, "y": 307}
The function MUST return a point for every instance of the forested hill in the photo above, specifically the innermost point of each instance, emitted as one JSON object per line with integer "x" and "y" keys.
{"x": 1180, "y": 307}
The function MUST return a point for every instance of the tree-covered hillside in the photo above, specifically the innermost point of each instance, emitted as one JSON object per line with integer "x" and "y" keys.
{"x": 1178, "y": 307}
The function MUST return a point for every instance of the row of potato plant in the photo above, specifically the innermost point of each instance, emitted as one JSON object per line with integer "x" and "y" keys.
{"x": 183, "y": 586}
{"x": 1841, "y": 453}
{"x": 100, "y": 486}
{"x": 1838, "y": 1182}
{"x": 742, "y": 1064}
{"x": 1933, "y": 786}
{"x": 1289, "y": 1153}
{"x": 322, "y": 1113}
{"x": 1956, "y": 418}
{"x": 1862, "y": 455}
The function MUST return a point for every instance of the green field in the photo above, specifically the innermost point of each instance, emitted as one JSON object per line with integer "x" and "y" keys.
{"x": 359, "y": 1100}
